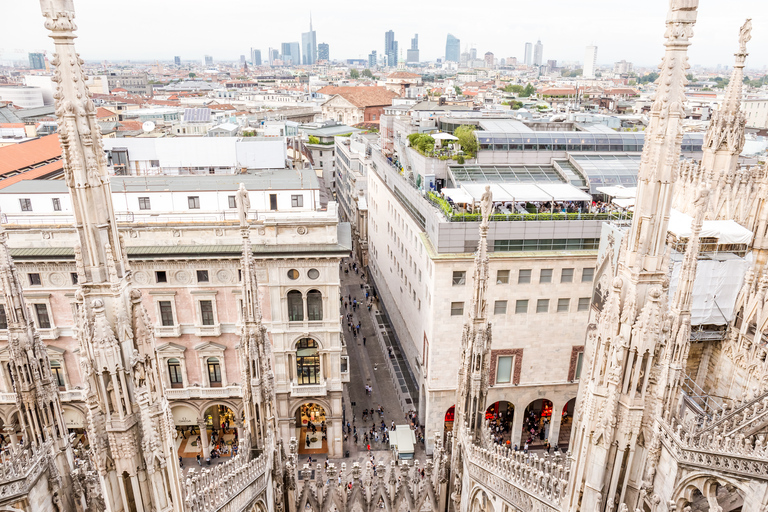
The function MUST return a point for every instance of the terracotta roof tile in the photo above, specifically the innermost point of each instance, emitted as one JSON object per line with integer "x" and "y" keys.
{"x": 102, "y": 112}
{"x": 362, "y": 96}
{"x": 33, "y": 174}
{"x": 24, "y": 154}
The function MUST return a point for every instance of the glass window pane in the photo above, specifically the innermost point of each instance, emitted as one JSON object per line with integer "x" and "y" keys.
{"x": 504, "y": 370}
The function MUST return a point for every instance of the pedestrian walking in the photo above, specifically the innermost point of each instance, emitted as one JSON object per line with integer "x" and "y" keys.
{"x": 363, "y": 340}
{"x": 199, "y": 462}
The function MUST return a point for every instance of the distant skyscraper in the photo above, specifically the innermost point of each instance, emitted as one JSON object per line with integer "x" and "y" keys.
{"x": 37, "y": 61}
{"x": 452, "y": 49}
{"x": 538, "y": 53}
{"x": 528, "y": 54}
{"x": 255, "y": 57}
{"x": 242, "y": 59}
{"x": 473, "y": 53}
{"x": 208, "y": 61}
{"x": 413, "y": 51}
{"x": 309, "y": 45}
{"x": 622, "y": 67}
{"x": 372, "y": 59}
{"x": 177, "y": 60}
{"x": 291, "y": 54}
{"x": 273, "y": 54}
{"x": 323, "y": 52}
{"x": 590, "y": 62}
{"x": 390, "y": 48}
{"x": 489, "y": 60}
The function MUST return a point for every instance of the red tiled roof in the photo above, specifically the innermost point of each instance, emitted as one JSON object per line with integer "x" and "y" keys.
{"x": 24, "y": 154}
{"x": 403, "y": 74}
{"x": 129, "y": 126}
{"x": 102, "y": 112}
{"x": 11, "y": 125}
{"x": 33, "y": 174}
{"x": 362, "y": 96}
{"x": 119, "y": 89}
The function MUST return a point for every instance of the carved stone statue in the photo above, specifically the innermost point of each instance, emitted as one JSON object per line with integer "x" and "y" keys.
{"x": 745, "y": 35}
{"x": 486, "y": 201}
{"x": 243, "y": 204}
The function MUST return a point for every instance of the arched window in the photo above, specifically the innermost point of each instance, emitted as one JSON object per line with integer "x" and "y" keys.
{"x": 295, "y": 306}
{"x": 214, "y": 372}
{"x": 58, "y": 374}
{"x": 174, "y": 372}
{"x": 314, "y": 305}
{"x": 307, "y": 362}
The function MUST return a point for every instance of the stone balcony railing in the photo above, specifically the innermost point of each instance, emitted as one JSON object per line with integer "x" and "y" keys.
{"x": 197, "y": 392}
{"x": 20, "y": 471}
{"x": 523, "y": 478}
{"x": 742, "y": 417}
{"x": 70, "y": 395}
{"x": 229, "y": 487}
{"x": 309, "y": 390}
{"x": 745, "y": 456}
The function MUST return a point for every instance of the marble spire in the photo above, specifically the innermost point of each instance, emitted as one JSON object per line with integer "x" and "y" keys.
{"x": 626, "y": 346}
{"x": 37, "y": 391}
{"x": 472, "y": 389}
{"x": 130, "y": 427}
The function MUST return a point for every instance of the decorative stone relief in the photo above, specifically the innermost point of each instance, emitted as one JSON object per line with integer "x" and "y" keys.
{"x": 182, "y": 277}
{"x": 141, "y": 277}
{"x": 224, "y": 276}
{"x": 57, "y": 279}
{"x": 302, "y": 230}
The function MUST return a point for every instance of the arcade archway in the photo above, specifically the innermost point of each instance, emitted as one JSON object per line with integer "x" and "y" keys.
{"x": 220, "y": 430}
{"x": 448, "y": 421}
{"x": 499, "y": 416}
{"x": 311, "y": 429}
{"x": 566, "y": 422}
{"x": 536, "y": 423}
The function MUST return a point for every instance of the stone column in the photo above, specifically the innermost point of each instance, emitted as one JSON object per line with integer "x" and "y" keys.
{"x": 204, "y": 438}
{"x": 239, "y": 427}
{"x": 138, "y": 498}
{"x": 517, "y": 428}
{"x": 554, "y": 424}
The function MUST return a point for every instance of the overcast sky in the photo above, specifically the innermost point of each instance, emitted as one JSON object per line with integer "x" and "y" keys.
{"x": 159, "y": 29}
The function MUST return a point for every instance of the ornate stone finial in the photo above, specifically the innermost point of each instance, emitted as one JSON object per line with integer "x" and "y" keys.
{"x": 745, "y": 35}
{"x": 243, "y": 204}
{"x": 486, "y": 204}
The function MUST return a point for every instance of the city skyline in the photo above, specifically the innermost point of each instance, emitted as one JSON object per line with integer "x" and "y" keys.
{"x": 564, "y": 40}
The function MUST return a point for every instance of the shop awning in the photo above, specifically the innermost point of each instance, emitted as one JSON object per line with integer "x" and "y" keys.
{"x": 476, "y": 190}
{"x": 564, "y": 192}
{"x": 458, "y": 195}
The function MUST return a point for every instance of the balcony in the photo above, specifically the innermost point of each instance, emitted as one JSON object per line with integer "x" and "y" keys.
{"x": 208, "y": 330}
{"x": 308, "y": 390}
{"x": 73, "y": 395}
{"x": 197, "y": 392}
{"x": 162, "y": 331}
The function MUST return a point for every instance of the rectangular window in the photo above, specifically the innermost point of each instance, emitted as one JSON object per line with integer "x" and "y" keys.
{"x": 273, "y": 201}
{"x": 344, "y": 364}
{"x": 579, "y": 363}
{"x": 206, "y": 312}
{"x": 26, "y": 205}
{"x": 566, "y": 275}
{"x": 459, "y": 277}
{"x": 56, "y": 204}
{"x": 583, "y": 304}
{"x": 297, "y": 201}
{"x": 193, "y": 202}
{"x": 174, "y": 372}
{"x": 502, "y": 277}
{"x": 563, "y": 305}
{"x": 521, "y": 306}
{"x": 587, "y": 275}
{"x": 166, "y": 313}
{"x": 34, "y": 279}
{"x": 43, "y": 320}
{"x": 144, "y": 203}
{"x": 231, "y": 201}
{"x": 500, "y": 307}
{"x": 542, "y": 306}
{"x": 161, "y": 276}
{"x": 457, "y": 308}
{"x": 524, "y": 277}
{"x": 504, "y": 369}
{"x": 202, "y": 276}
{"x": 3, "y": 318}
{"x": 545, "y": 276}
{"x": 73, "y": 276}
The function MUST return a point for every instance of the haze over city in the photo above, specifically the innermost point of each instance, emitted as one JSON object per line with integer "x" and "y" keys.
{"x": 150, "y": 30}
